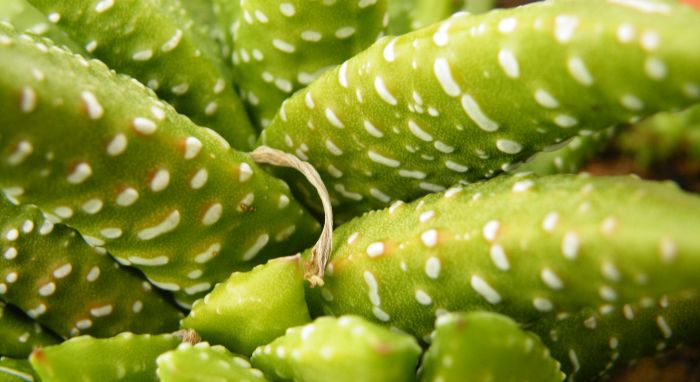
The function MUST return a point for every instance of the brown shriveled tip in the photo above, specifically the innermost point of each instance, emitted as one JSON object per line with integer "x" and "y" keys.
{"x": 38, "y": 355}
{"x": 189, "y": 336}
{"x": 314, "y": 269}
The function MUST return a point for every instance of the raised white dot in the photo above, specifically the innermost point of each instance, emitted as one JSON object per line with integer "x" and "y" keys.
{"x": 380, "y": 314}
{"x": 668, "y": 250}
{"x": 333, "y": 148}
{"x": 456, "y": 167}
{"x": 63, "y": 212}
{"x": 550, "y": 221}
{"x": 564, "y": 28}
{"x": 416, "y": 130}
{"x": 545, "y": 99}
{"x": 283, "y": 45}
{"x": 473, "y": 110}
{"x": 83, "y": 324}
{"x": 389, "y": 53}
{"x": 93, "y": 274}
{"x": 244, "y": 172}
{"x": 62, "y": 271}
{"x": 423, "y": 298}
{"x": 127, "y": 197}
{"x": 213, "y": 214}
{"x": 344, "y": 32}
{"x": 508, "y": 62}
{"x": 117, "y": 145}
{"x": 655, "y": 68}
{"x": 144, "y": 125}
{"x": 499, "y": 258}
{"x": 566, "y": 121}
{"x": 432, "y": 267}
{"x": 579, "y": 71}
{"x": 47, "y": 289}
{"x": 143, "y": 55}
{"x": 180, "y": 89}
{"x": 93, "y": 107}
{"x": 429, "y": 238}
{"x": 172, "y": 42}
{"x": 28, "y": 100}
{"x": 542, "y": 304}
{"x": 485, "y": 290}
{"x": 507, "y": 25}
{"x": 103, "y": 6}
{"x": 375, "y": 249}
{"x": 21, "y": 152}
{"x": 490, "y": 230}
{"x": 101, "y": 311}
{"x": 199, "y": 179}
{"x": 137, "y": 306}
{"x": 160, "y": 180}
{"x": 508, "y": 146}
{"x": 551, "y": 279}
{"x": 607, "y": 293}
{"x": 311, "y": 36}
{"x": 10, "y": 253}
{"x": 626, "y": 33}
{"x": 570, "y": 245}
{"x": 383, "y": 160}
{"x": 168, "y": 224}
{"x": 425, "y": 216}
{"x": 208, "y": 254}
{"x": 111, "y": 233}
{"x": 664, "y": 327}
{"x": 254, "y": 249}
{"x": 287, "y": 9}
{"x": 343, "y": 75}
{"x": 81, "y": 172}
{"x": 442, "y": 71}
{"x": 333, "y": 119}
{"x": 383, "y": 92}
{"x": 632, "y": 102}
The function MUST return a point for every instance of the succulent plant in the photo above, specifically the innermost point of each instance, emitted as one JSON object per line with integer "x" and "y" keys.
{"x": 160, "y": 45}
{"x": 475, "y": 347}
{"x": 20, "y": 334}
{"x": 551, "y": 252}
{"x": 16, "y": 370}
{"x": 281, "y": 46}
{"x": 45, "y": 265}
{"x": 142, "y": 175}
{"x": 485, "y": 93}
{"x": 347, "y": 348}
{"x": 252, "y": 308}
{"x": 124, "y": 357}
{"x": 115, "y": 208}
{"x": 201, "y": 362}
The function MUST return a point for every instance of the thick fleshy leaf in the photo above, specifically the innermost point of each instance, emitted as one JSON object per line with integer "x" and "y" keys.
{"x": 157, "y": 42}
{"x": 20, "y": 334}
{"x": 16, "y": 370}
{"x": 52, "y": 274}
{"x": 204, "y": 363}
{"x": 101, "y": 153}
{"x": 24, "y": 17}
{"x": 280, "y": 46}
{"x": 475, "y": 95}
{"x": 339, "y": 349}
{"x": 484, "y": 346}
{"x": 252, "y": 308}
{"x": 126, "y": 357}
{"x": 535, "y": 249}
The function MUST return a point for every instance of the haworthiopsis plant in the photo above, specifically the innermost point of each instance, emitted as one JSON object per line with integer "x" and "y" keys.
{"x": 140, "y": 241}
